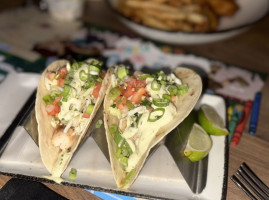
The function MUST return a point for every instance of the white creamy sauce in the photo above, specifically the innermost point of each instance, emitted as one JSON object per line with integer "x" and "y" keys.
{"x": 147, "y": 131}
{"x": 155, "y": 94}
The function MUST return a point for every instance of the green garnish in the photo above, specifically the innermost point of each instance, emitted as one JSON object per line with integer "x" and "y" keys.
{"x": 172, "y": 89}
{"x": 73, "y": 173}
{"x": 94, "y": 70}
{"x": 146, "y": 103}
{"x": 124, "y": 161}
{"x": 130, "y": 105}
{"x": 99, "y": 123}
{"x": 144, "y": 76}
{"x": 167, "y": 96}
{"x": 122, "y": 72}
{"x": 114, "y": 93}
{"x": 156, "y": 114}
{"x": 155, "y": 85}
{"x": 182, "y": 89}
{"x": 163, "y": 82}
{"x": 48, "y": 99}
{"x": 69, "y": 77}
{"x": 129, "y": 177}
{"x": 161, "y": 102}
{"x": 83, "y": 75}
{"x": 57, "y": 76}
{"x": 161, "y": 76}
{"x": 89, "y": 109}
{"x": 65, "y": 93}
{"x": 113, "y": 128}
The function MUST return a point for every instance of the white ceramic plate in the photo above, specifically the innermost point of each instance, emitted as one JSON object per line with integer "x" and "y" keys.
{"x": 249, "y": 13}
{"x": 159, "y": 178}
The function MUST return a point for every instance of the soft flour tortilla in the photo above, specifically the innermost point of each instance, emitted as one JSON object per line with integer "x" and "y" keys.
{"x": 51, "y": 155}
{"x": 184, "y": 105}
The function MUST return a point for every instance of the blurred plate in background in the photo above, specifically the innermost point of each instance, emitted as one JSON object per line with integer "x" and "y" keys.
{"x": 249, "y": 13}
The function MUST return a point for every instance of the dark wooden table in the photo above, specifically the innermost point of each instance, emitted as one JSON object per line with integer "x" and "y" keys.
{"x": 249, "y": 50}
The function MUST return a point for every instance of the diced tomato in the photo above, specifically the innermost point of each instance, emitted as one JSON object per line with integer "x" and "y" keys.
{"x": 128, "y": 92}
{"x": 131, "y": 83}
{"x": 96, "y": 90}
{"x": 86, "y": 115}
{"x": 57, "y": 108}
{"x": 55, "y": 102}
{"x": 141, "y": 84}
{"x": 63, "y": 71}
{"x": 103, "y": 75}
{"x": 122, "y": 103}
{"x": 136, "y": 98}
{"x": 51, "y": 76}
{"x": 121, "y": 89}
{"x": 52, "y": 109}
{"x": 60, "y": 82}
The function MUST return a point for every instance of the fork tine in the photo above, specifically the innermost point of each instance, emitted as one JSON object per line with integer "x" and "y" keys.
{"x": 251, "y": 184}
{"x": 242, "y": 187}
{"x": 255, "y": 178}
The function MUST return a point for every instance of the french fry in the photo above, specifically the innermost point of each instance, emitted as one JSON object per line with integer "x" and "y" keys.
{"x": 178, "y": 15}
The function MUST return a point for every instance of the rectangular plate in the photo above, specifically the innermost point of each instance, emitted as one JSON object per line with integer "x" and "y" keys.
{"x": 159, "y": 178}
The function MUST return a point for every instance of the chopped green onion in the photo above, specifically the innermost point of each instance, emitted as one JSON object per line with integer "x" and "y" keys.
{"x": 59, "y": 103}
{"x": 172, "y": 90}
{"x": 95, "y": 62}
{"x": 65, "y": 93}
{"x": 118, "y": 152}
{"x": 122, "y": 72}
{"x": 161, "y": 76}
{"x": 99, "y": 79}
{"x": 124, "y": 161}
{"x": 130, "y": 105}
{"x": 144, "y": 76}
{"x": 73, "y": 173}
{"x": 156, "y": 114}
{"x": 89, "y": 83}
{"x": 48, "y": 99}
{"x": 146, "y": 103}
{"x": 94, "y": 69}
{"x": 128, "y": 148}
{"x": 114, "y": 93}
{"x": 166, "y": 96}
{"x": 99, "y": 123}
{"x": 113, "y": 129}
{"x": 163, "y": 82}
{"x": 69, "y": 77}
{"x": 155, "y": 85}
{"x": 68, "y": 66}
{"x": 83, "y": 75}
{"x": 89, "y": 109}
{"x": 182, "y": 89}
{"x": 57, "y": 76}
{"x": 75, "y": 66}
{"x": 161, "y": 102}
{"x": 138, "y": 118}
{"x": 129, "y": 177}
{"x": 119, "y": 140}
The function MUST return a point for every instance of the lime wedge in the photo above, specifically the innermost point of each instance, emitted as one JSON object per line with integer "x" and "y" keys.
{"x": 210, "y": 120}
{"x": 198, "y": 145}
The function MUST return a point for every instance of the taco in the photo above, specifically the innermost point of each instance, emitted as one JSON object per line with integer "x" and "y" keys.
{"x": 68, "y": 97}
{"x": 140, "y": 110}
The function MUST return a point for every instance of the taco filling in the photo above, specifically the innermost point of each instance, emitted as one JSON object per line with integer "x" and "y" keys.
{"x": 142, "y": 104}
{"x": 70, "y": 98}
